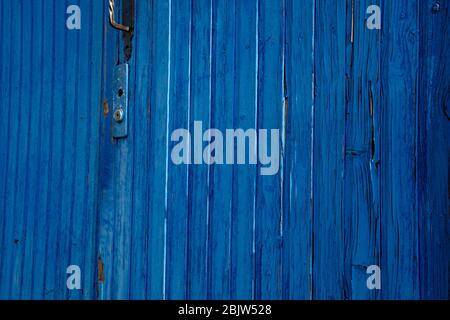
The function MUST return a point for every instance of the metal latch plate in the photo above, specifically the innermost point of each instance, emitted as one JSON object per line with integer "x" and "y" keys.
{"x": 120, "y": 101}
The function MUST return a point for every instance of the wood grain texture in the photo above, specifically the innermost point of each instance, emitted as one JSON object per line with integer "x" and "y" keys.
{"x": 158, "y": 135}
{"x": 244, "y": 177}
{"x": 298, "y": 146}
{"x": 49, "y": 184}
{"x": 177, "y": 176}
{"x": 434, "y": 150}
{"x": 328, "y": 161}
{"x": 269, "y": 116}
{"x": 399, "y": 99}
{"x": 221, "y": 177}
{"x": 201, "y": 94}
{"x": 364, "y": 149}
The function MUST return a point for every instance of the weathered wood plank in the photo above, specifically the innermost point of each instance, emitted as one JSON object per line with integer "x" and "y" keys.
{"x": 328, "y": 164}
{"x": 11, "y": 102}
{"x": 221, "y": 178}
{"x": 107, "y": 179}
{"x": 361, "y": 211}
{"x": 199, "y": 206}
{"x": 298, "y": 114}
{"x": 4, "y": 72}
{"x": 244, "y": 176}
{"x": 399, "y": 97}
{"x": 158, "y": 149}
{"x": 268, "y": 188}
{"x": 434, "y": 150}
{"x": 177, "y": 176}
{"x": 22, "y": 143}
{"x": 141, "y": 113}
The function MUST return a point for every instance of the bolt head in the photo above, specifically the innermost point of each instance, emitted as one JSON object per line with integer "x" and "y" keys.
{"x": 118, "y": 115}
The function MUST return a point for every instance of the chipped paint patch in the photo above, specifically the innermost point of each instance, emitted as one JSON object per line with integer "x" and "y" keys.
{"x": 105, "y": 108}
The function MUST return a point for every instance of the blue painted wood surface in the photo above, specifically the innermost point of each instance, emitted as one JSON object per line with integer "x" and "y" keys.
{"x": 50, "y": 143}
{"x": 399, "y": 214}
{"x": 297, "y": 180}
{"x": 364, "y": 158}
{"x": 329, "y": 150}
{"x": 362, "y": 149}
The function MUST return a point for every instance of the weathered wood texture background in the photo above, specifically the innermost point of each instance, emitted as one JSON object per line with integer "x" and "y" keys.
{"x": 364, "y": 180}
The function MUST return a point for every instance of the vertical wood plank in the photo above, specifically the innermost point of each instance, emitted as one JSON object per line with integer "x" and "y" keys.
{"x": 221, "y": 191}
{"x": 12, "y": 99}
{"x": 123, "y": 181}
{"x": 244, "y": 176}
{"x": 399, "y": 97}
{"x": 82, "y": 184}
{"x": 107, "y": 182}
{"x": 297, "y": 209}
{"x": 199, "y": 205}
{"x": 434, "y": 150}
{"x": 268, "y": 190}
{"x": 89, "y": 245}
{"x": 177, "y": 180}
{"x": 4, "y": 72}
{"x": 22, "y": 104}
{"x": 142, "y": 111}
{"x": 29, "y": 281}
{"x": 70, "y": 151}
{"x": 329, "y": 132}
{"x": 54, "y": 288}
{"x": 44, "y": 106}
{"x": 158, "y": 148}
{"x": 361, "y": 151}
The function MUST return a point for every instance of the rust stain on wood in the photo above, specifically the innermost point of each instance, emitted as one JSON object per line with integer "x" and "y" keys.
{"x": 101, "y": 270}
{"x": 105, "y": 108}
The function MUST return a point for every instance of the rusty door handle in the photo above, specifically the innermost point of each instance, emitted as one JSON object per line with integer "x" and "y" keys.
{"x": 112, "y": 19}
